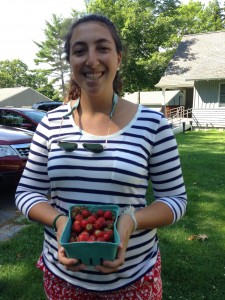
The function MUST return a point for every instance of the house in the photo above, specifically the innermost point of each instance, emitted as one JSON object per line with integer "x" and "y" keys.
{"x": 156, "y": 99}
{"x": 198, "y": 70}
{"x": 20, "y": 97}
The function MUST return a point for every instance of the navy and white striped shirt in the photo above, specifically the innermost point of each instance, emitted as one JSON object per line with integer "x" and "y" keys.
{"x": 145, "y": 150}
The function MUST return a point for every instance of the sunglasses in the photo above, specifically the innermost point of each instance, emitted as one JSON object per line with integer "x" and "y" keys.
{"x": 71, "y": 146}
{"x": 68, "y": 146}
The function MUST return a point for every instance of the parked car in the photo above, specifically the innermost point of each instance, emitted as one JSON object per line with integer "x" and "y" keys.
{"x": 47, "y": 105}
{"x": 14, "y": 149}
{"x": 26, "y": 118}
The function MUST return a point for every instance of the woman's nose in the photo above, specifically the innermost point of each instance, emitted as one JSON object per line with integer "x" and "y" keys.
{"x": 92, "y": 58}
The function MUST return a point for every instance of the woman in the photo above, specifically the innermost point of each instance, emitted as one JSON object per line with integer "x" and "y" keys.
{"x": 101, "y": 149}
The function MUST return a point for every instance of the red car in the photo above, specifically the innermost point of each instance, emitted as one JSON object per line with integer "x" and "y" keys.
{"x": 14, "y": 149}
{"x": 26, "y": 118}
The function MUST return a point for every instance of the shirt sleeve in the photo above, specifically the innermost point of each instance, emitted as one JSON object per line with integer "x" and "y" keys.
{"x": 165, "y": 171}
{"x": 34, "y": 183}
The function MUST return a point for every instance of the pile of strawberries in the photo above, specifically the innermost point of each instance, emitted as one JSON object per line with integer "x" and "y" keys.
{"x": 90, "y": 226}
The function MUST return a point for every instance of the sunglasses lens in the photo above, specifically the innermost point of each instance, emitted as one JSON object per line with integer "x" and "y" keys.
{"x": 68, "y": 147}
{"x": 95, "y": 148}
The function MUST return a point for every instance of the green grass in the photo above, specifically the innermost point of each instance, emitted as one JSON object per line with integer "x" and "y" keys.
{"x": 191, "y": 269}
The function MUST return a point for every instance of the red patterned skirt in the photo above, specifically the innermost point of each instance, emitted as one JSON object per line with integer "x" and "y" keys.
{"x": 149, "y": 287}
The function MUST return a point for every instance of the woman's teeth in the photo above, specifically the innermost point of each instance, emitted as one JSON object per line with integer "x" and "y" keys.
{"x": 93, "y": 76}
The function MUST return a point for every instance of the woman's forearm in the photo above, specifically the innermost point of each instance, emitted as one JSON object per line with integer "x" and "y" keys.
{"x": 156, "y": 215}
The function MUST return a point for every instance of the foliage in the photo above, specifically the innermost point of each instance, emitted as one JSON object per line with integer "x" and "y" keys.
{"x": 15, "y": 73}
{"x": 151, "y": 31}
{"x": 51, "y": 51}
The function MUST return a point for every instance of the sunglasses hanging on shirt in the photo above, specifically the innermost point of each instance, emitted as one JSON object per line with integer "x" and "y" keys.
{"x": 69, "y": 146}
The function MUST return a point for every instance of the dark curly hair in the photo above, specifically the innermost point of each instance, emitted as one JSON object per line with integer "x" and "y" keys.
{"x": 73, "y": 88}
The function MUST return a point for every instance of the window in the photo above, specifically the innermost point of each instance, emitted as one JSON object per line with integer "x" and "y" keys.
{"x": 222, "y": 93}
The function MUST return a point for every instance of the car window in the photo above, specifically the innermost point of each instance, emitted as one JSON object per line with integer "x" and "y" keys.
{"x": 14, "y": 119}
{"x": 35, "y": 115}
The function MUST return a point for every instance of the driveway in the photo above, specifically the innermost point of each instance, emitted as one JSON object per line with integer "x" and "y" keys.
{"x": 8, "y": 209}
{"x": 8, "y": 214}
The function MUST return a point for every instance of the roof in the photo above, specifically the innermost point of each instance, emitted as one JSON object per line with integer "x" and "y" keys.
{"x": 198, "y": 57}
{"x": 154, "y": 98}
{"x": 6, "y": 93}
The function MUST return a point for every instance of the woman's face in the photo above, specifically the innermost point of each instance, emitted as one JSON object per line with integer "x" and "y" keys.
{"x": 93, "y": 57}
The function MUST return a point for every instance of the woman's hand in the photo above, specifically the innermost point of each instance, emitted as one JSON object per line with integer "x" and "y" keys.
{"x": 71, "y": 264}
{"x": 125, "y": 228}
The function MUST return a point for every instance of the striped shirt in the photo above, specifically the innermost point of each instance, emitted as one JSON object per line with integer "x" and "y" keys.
{"x": 145, "y": 150}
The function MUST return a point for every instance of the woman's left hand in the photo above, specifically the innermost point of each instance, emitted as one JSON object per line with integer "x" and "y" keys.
{"x": 125, "y": 228}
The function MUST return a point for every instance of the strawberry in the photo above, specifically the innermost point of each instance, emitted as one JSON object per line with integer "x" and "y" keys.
{"x": 98, "y": 224}
{"x": 109, "y": 224}
{"x": 89, "y": 227}
{"x": 100, "y": 213}
{"x": 85, "y": 213}
{"x": 98, "y": 233}
{"x": 107, "y": 237}
{"x": 76, "y": 226}
{"x": 83, "y": 237}
{"x": 92, "y": 238}
{"x": 84, "y": 223}
{"x": 91, "y": 219}
{"x": 79, "y": 217}
{"x": 108, "y": 215}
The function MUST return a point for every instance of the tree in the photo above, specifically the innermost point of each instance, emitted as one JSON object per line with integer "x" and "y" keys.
{"x": 151, "y": 31}
{"x": 144, "y": 63}
{"x": 15, "y": 73}
{"x": 51, "y": 52}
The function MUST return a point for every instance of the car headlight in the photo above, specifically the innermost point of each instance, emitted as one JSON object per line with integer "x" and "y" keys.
{"x": 7, "y": 151}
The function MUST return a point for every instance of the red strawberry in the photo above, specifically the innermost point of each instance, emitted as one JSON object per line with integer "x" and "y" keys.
{"x": 85, "y": 213}
{"x": 92, "y": 238}
{"x": 84, "y": 223}
{"x": 83, "y": 237}
{"x": 100, "y": 213}
{"x": 98, "y": 233}
{"x": 107, "y": 236}
{"x": 76, "y": 226}
{"x": 92, "y": 219}
{"x": 99, "y": 224}
{"x": 108, "y": 215}
{"x": 79, "y": 217}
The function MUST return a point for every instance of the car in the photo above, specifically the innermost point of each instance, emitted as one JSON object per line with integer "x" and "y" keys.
{"x": 25, "y": 118}
{"x": 14, "y": 149}
{"x": 47, "y": 105}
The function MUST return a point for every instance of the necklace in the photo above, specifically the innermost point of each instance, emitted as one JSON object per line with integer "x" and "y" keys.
{"x": 114, "y": 103}
{"x": 94, "y": 148}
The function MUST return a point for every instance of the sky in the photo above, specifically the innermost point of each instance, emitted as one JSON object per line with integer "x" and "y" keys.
{"x": 23, "y": 21}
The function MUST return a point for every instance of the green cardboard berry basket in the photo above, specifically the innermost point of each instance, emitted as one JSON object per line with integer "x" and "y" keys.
{"x": 91, "y": 253}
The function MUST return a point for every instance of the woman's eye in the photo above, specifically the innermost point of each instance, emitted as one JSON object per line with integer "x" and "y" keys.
{"x": 103, "y": 49}
{"x": 78, "y": 52}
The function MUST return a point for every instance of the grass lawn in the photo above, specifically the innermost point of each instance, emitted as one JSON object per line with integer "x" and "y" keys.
{"x": 192, "y": 269}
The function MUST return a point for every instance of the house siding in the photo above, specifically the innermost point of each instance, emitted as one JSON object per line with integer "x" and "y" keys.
{"x": 209, "y": 117}
{"x": 206, "y": 94}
